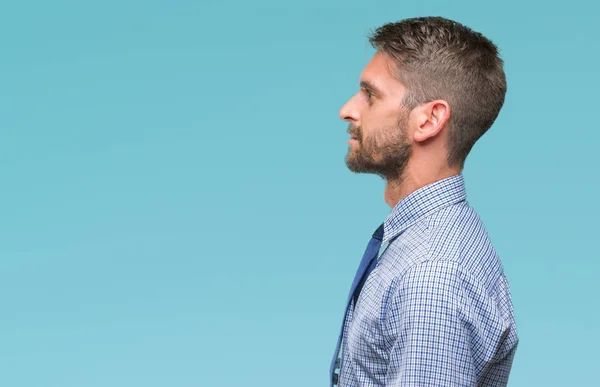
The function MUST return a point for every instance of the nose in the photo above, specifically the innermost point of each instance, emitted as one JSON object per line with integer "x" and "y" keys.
{"x": 349, "y": 112}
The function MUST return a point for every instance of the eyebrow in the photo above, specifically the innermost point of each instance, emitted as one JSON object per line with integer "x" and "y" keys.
{"x": 370, "y": 87}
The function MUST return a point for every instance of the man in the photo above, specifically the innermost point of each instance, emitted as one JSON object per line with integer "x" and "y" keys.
{"x": 430, "y": 304}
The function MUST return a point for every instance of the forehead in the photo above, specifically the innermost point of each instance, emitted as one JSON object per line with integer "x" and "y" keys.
{"x": 379, "y": 73}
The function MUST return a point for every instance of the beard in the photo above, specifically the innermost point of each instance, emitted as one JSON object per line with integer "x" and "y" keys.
{"x": 385, "y": 153}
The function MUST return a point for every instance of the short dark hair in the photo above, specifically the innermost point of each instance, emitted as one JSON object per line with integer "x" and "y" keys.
{"x": 438, "y": 58}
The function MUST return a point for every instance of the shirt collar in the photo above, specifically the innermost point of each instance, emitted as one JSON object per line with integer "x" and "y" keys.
{"x": 422, "y": 202}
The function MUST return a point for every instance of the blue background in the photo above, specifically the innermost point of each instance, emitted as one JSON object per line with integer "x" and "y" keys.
{"x": 175, "y": 209}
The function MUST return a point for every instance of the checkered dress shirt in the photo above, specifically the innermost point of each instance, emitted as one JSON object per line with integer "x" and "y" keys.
{"x": 436, "y": 310}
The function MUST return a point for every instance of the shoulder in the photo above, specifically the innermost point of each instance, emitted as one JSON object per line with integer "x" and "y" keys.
{"x": 438, "y": 278}
{"x": 453, "y": 233}
{"x": 449, "y": 247}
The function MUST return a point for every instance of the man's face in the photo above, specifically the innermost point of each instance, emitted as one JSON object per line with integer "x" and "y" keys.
{"x": 378, "y": 122}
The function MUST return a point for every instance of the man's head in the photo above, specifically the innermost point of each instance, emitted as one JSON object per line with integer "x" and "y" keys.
{"x": 432, "y": 89}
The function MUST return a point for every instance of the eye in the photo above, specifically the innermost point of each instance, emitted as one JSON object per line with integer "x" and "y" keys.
{"x": 368, "y": 93}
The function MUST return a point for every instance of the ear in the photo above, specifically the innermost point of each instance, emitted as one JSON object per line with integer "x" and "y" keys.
{"x": 431, "y": 119}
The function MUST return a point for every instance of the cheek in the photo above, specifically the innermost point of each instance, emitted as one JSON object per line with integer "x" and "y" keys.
{"x": 374, "y": 125}
{"x": 379, "y": 134}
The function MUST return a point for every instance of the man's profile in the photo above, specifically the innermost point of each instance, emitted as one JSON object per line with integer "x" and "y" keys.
{"x": 430, "y": 304}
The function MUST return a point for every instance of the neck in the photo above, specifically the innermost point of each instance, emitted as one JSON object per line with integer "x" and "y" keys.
{"x": 412, "y": 180}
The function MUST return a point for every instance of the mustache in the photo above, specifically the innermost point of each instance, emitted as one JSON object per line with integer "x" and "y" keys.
{"x": 354, "y": 131}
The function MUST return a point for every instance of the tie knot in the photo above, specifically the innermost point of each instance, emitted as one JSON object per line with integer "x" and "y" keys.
{"x": 378, "y": 234}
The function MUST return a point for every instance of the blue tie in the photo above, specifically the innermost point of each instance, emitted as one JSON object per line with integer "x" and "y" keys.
{"x": 367, "y": 264}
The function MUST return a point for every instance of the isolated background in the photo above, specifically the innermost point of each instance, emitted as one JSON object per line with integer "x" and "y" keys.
{"x": 175, "y": 209}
